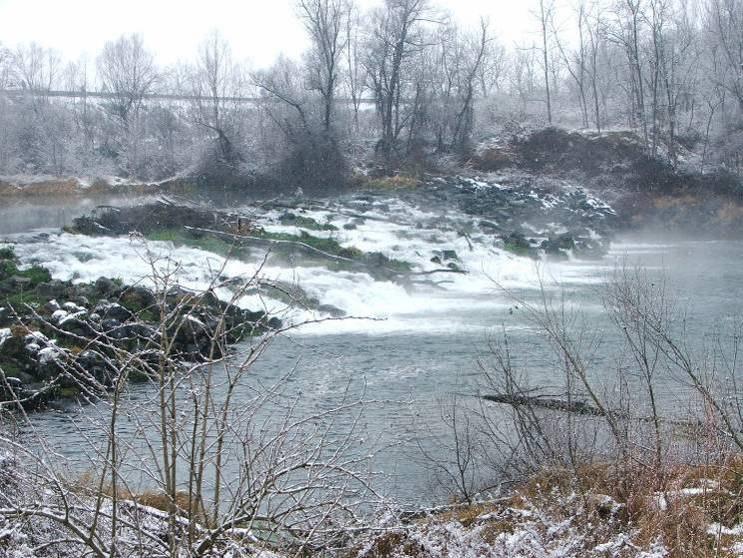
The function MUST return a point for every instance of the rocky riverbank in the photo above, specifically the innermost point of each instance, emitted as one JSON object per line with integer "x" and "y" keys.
{"x": 647, "y": 192}
{"x": 60, "y": 339}
{"x": 531, "y": 216}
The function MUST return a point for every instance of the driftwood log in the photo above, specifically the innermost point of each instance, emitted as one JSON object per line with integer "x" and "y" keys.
{"x": 577, "y": 407}
{"x": 582, "y": 408}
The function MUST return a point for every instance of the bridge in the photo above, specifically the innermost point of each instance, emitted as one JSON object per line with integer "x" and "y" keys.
{"x": 82, "y": 94}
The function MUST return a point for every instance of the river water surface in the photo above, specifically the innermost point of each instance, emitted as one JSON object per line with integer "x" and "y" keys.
{"x": 425, "y": 343}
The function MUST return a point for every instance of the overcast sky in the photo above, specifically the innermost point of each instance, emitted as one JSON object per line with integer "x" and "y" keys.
{"x": 258, "y": 30}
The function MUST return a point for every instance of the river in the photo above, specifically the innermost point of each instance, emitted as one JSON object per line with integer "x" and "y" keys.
{"x": 406, "y": 349}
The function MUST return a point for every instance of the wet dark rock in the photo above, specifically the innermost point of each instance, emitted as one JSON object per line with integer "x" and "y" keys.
{"x": 140, "y": 331}
{"x": 51, "y": 306}
{"x": 558, "y": 246}
{"x": 50, "y": 365}
{"x": 19, "y": 282}
{"x": 106, "y": 287}
{"x": 591, "y": 248}
{"x": 331, "y": 310}
{"x": 443, "y": 256}
{"x": 194, "y": 337}
{"x": 143, "y": 218}
{"x": 53, "y": 289}
{"x": 113, "y": 328}
{"x": 257, "y": 317}
{"x": 79, "y": 327}
{"x": 113, "y": 311}
{"x": 178, "y": 294}
{"x": 137, "y": 298}
{"x": 97, "y": 365}
{"x": 648, "y": 192}
{"x": 518, "y": 244}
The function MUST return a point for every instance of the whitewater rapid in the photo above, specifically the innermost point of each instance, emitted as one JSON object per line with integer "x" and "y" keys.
{"x": 435, "y": 303}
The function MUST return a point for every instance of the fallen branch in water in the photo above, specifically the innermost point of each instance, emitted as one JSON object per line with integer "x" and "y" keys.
{"x": 440, "y": 270}
{"x": 578, "y": 407}
{"x": 581, "y": 408}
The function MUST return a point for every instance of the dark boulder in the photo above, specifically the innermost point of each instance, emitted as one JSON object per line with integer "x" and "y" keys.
{"x": 105, "y": 287}
{"x": 98, "y": 366}
{"x": 137, "y": 298}
{"x": 113, "y": 311}
{"x": 52, "y": 289}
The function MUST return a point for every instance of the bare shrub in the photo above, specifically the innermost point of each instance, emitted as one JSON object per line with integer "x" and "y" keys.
{"x": 206, "y": 460}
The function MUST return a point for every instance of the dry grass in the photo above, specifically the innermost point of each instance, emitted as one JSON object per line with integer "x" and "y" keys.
{"x": 396, "y": 182}
{"x": 676, "y": 506}
{"x": 63, "y": 187}
{"x": 494, "y": 159}
{"x": 601, "y": 504}
{"x": 53, "y": 187}
{"x": 731, "y": 211}
{"x": 395, "y": 544}
{"x": 674, "y": 202}
{"x": 88, "y": 484}
{"x": 19, "y": 330}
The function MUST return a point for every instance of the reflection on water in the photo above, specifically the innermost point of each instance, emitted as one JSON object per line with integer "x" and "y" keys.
{"x": 52, "y": 213}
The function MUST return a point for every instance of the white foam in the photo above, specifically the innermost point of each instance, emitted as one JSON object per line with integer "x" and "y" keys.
{"x": 5, "y": 334}
{"x": 439, "y": 302}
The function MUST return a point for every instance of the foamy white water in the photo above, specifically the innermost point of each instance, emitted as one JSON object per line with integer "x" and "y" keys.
{"x": 437, "y": 303}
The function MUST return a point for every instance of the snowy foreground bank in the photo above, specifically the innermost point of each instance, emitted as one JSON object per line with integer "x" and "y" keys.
{"x": 553, "y": 516}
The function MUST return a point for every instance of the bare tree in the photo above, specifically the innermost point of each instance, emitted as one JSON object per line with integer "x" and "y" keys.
{"x": 575, "y": 61}
{"x": 45, "y": 133}
{"x": 326, "y": 22}
{"x": 6, "y": 71}
{"x": 523, "y": 75}
{"x": 311, "y": 157}
{"x": 127, "y": 73}
{"x": 397, "y": 34}
{"x": 545, "y": 17}
{"x": 596, "y": 31}
{"x": 476, "y": 58}
{"x": 492, "y": 70}
{"x": 628, "y": 34}
{"x": 723, "y": 22}
{"x": 216, "y": 78}
{"x": 214, "y": 461}
{"x": 37, "y": 68}
{"x": 354, "y": 71}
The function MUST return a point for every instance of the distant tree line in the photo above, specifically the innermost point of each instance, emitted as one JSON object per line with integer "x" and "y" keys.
{"x": 671, "y": 70}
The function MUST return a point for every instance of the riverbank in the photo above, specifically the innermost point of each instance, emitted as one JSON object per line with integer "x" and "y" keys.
{"x": 645, "y": 192}
{"x": 43, "y": 186}
{"x": 648, "y": 193}
{"x": 598, "y": 510}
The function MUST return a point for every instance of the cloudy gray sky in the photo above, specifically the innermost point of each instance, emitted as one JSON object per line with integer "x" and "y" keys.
{"x": 258, "y": 30}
